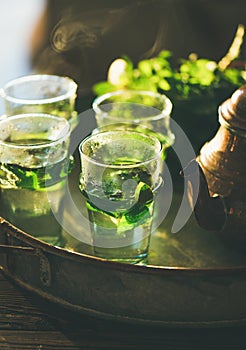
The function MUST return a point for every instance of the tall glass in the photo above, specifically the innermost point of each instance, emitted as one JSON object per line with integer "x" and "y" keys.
{"x": 34, "y": 163}
{"x": 41, "y": 93}
{"x": 144, "y": 111}
{"x": 120, "y": 171}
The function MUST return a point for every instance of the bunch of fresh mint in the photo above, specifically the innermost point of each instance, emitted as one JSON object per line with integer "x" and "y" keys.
{"x": 189, "y": 79}
{"x": 184, "y": 79}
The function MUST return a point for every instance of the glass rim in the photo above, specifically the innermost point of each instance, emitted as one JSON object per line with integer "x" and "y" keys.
{"x": 163, "y": 113}
{"x": 37, "y": 78}
{"x": 48, "y": 143}
{"x": 122, "y": 166}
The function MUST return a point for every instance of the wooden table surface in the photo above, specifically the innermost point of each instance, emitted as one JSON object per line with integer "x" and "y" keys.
{"x": 29, "y": 322}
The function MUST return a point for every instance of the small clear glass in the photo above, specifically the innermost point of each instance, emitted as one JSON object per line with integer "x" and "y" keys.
{"x": 146, "y": 111}
{"x": 120, "y": 171}
{"x": 34, "y": 163}
{"x": 41, "y": 93}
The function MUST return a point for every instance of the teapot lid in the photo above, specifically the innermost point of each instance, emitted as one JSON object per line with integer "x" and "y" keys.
{"x": 232, "y": 112}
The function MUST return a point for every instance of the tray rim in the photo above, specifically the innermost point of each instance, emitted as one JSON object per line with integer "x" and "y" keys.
{"x": 12, "y": 230}
{"x": 96, "y": 314}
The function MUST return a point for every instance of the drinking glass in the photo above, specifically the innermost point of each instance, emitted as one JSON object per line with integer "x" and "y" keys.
{"x": 41, "y": 93}
{"x": 34, "y": 163}
{"x": 144, "y": 111}
{"x": 120, "y": 171}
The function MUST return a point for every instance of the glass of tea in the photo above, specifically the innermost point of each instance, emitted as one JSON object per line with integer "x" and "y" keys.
{"x": 143, "y": 111}
{"x": 41, "y": 93}
{"x": 120, "y": 172}
{"x": 34, "y": 164}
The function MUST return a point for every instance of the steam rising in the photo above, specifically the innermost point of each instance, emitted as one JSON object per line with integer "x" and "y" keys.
{"x": 87, "y": 30}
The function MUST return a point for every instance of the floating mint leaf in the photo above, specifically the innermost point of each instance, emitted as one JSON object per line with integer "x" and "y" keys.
{"x": 143, "y": 194}
{"x": 139, "y": 212}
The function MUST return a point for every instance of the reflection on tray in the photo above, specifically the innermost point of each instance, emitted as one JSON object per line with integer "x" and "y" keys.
{"x": 191, "y": 247}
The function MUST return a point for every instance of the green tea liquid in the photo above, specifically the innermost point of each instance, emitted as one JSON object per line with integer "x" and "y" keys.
{"x": 121, "y": 226}
{"x": 31, "y": 198}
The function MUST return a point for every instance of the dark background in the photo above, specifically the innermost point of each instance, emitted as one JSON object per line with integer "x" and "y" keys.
{"x": 81, "y": 38}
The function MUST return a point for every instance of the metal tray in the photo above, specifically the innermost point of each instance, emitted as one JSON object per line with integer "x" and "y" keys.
{"x": 192, "y": 279}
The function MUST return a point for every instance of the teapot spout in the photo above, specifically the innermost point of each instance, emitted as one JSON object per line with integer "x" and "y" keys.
{"x": 210, "y": 212}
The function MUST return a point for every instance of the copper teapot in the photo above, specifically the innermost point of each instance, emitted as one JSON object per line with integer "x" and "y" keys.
{"x": 220, "y": 203}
